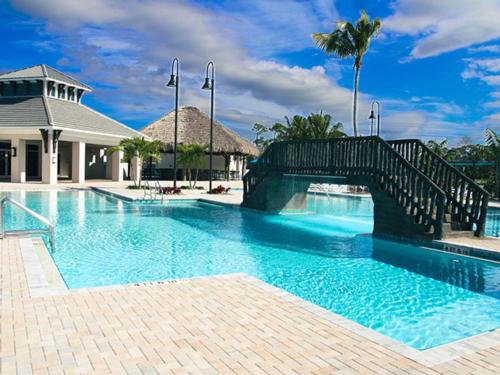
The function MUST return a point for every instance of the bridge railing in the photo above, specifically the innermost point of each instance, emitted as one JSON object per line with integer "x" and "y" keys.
{"x": 465, "y": 199}
{"x": 368, "y": 156}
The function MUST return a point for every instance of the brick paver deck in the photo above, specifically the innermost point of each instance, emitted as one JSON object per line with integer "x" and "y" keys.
{"x": 216, "y": 325}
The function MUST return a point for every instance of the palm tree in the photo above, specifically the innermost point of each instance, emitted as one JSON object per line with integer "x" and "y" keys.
{"x": 140, "y": 148}
{"x": 493, "y": 142}
{"x": 314, "y": 126}
{"x": 350, "y": 41}
{"x": 320, "y": 127}
{"x": 296, "y": 128}
{"x": 439, "y": 148}
{"x": 191, "y": 157}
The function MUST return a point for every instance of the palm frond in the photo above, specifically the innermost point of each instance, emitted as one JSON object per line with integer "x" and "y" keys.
{"x": 337, "y": 42}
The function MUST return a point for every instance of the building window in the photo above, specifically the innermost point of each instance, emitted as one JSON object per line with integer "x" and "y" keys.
{"x": 21, "y": 88}
{"x": 62, "y": 92}
{"x": 52, "y": 89}
{"x": 71, "y": 94}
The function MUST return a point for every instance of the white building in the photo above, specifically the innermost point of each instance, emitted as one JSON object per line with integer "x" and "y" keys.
{"x": 47, "y": 134}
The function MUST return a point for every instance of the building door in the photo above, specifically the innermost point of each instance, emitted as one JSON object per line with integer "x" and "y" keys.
{"x": 32, "y": 161}
{"x": 4, "y": 161}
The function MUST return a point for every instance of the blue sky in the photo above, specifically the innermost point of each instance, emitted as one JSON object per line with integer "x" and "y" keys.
{"x": 435, "y": 67}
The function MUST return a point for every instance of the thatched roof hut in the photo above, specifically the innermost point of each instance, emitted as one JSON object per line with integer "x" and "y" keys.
{"x": 194, "y": 127}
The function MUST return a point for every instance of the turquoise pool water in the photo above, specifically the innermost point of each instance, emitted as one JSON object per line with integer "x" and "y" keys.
{"x": 493, "y": 222}
{"x": 419, "y": 297}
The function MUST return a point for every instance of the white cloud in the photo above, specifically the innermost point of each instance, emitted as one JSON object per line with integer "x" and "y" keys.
{"x": 109, "y": 44}
{"x": 161, "y": 30}
{"x": 271, "y": 26}
{"x": 483, "y": 69}
{"x": 492, "y": 48}
{"x": 124, "y": 48}
{"x": 491, "y": 65}
{"x": 495, "y": 103}
{"x": 444, "y": 25}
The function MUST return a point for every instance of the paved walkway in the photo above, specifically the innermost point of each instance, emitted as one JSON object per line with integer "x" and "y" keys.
{"x": 487, "y": 243}
{"x": 216, "y": 325}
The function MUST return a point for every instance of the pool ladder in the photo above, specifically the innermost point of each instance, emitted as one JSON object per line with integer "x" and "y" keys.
{"x": 48, "y": 230}
{"x": 153, "y": 191}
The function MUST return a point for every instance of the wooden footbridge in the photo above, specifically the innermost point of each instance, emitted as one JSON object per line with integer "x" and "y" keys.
{"x": 416, "y": 193}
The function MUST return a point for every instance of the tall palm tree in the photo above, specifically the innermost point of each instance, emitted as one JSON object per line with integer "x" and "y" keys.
{"x": 347, "y": 40}
{"x": 192, "y": 157}
{"x": 140, "y": 148}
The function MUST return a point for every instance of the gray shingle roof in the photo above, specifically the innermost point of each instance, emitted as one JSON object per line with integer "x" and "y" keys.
{"x": 79, "y": 117}
{"x": 43, "y": 71}
{"x": 40, "y": 112}
{"x": 23, "y": 112}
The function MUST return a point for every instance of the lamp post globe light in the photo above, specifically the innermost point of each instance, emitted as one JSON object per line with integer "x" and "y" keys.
{"x": 174, "y": 82}
{"x": 209, "y": 84}
{"x": 372, "y": 119}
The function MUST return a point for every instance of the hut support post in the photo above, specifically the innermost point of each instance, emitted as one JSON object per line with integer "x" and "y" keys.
{"x": 227, "y": 165}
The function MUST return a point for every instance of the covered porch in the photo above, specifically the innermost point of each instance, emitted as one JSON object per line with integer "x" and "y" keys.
{"x": 50, "y": 155}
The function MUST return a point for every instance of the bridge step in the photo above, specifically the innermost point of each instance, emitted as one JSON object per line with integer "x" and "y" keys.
{"x": 458, "y": 234}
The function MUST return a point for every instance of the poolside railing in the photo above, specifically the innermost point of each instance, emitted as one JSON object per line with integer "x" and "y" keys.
{"x": 49, "y": 230}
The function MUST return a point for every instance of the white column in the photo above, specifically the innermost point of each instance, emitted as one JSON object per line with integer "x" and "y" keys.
{"x": 109, "y": 166}
{"x": 135, "y": 169}
{"x": 78, "y": 162}
{"x": 116, "y": 165}
{"x": 18, "y": 162}
{"x": 49, "y": 162}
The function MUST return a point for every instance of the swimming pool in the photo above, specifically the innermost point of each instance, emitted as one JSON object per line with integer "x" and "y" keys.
{"x": 493, "y": 222}
{"x": 419, "y": 297}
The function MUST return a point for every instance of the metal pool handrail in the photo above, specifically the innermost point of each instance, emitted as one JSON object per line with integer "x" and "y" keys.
{"x": 153, "y": 192}
{"x": 3, "y": 233}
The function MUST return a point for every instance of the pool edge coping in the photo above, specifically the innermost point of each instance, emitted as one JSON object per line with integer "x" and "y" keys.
{"x": 42, "y": 275}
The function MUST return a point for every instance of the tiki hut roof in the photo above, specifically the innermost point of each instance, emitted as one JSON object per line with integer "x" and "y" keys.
{"x": 194, "y": 127}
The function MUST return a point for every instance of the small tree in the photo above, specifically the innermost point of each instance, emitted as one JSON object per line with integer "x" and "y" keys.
{"x": 191, "y": 157}
{"x": 140, "y": 148}
{"x": 440, "y": 148}
{"x": 260, "y": 141}
{"x": 493, "y": 142}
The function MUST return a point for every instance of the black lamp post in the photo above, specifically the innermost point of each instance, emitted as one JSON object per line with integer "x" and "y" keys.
{"x": 174, "y": 82}
{"x": 372, "y": 119}
{"x": 209, "y": 84}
